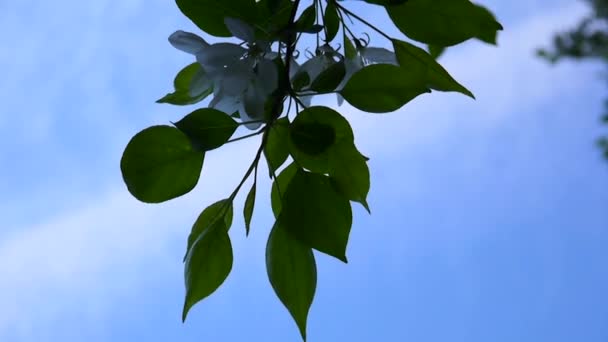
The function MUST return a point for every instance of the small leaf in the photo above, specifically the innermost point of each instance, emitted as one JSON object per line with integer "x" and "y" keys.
{"x": 349, "y": 49}
{"x": 160, "y": 164}
{"x": 181, "y": 95}
{"x": 312, "y": 138}
{"x": 300, "y": 80}
{"x": 386, "y": 2}
{"x": 311, "y": 150}
{"x": 208, "y": 264}
{"x": 415, "y": 59}
{"x": 444, "y": 22}
{"x": 313, "y": 29}
{"x": 329, "y": 79}
{"x": 279, "y": 186}
{"x": 307, "y": 19}
{"x": 292, "y": 272}
{"x": 349, "y": 173}
{"x": 209, "y": 15}
{"x": 331, "y": 20}
{"x": 436, "y": 51}
{"x": 276, "y": 149}
{"x": 208, "y": 128}
{"x": 316, "y": 214}
{"x": 382, "y": 88}
{"x": 206, "y": 220}
{"x": 248, "y": 208}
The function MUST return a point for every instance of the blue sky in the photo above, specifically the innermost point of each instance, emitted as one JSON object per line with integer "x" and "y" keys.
{"x": 489, "y": 217}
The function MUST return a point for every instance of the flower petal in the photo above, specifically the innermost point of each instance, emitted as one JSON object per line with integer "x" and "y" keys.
{"x": 240, "y": 29}
{"x": 187, "y": 42}
{"x": 226, "y": 104}
{"x": 219, "y": 55}
{"x": 254, "y": 100}
{"x": 379, "y": 55}
{"x": 267, "y": 76}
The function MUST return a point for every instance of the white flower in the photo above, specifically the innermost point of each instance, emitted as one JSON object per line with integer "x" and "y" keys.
{"x": 242, "y": 78}
{"x": 365, "y": 56}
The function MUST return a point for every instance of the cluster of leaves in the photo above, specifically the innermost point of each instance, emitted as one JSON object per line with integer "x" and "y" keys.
{"x": 310, "y": 153}
{"x": 588, "y": 40}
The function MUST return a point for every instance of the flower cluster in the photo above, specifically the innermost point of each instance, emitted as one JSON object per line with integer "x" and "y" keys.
{"x": 243, "y": 76}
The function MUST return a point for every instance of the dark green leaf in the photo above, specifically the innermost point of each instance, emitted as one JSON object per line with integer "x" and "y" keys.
{"x": 209, "y": 15}
{"x": 349, "y": 49}
{"x": 208, "y": 264}
{"x": 181, "y": 95}
{"x": 312, "y": 138}
{"x": 292, "y": 273}
{"x": 208, "y": 217}
{"x": 208, "y": 128}
{"x": 416, "y": 60}
{"x": 444, "y": 22}
{"x": 160, "y": 164}
{"x": 331, "y": 20}
{"x": 382, "y": 88}
{"x": 279, "y": 186}
{"x": 329, "y": 79}
{"x": 316, "y": 214}
{"x": 300, "y": 80}
{"x": 248, "y": 208}
{"x": 307, "y": 19}
{"x": 436, "y": 51}
{"x": 313, "y": 29}
{"x": 314, "y": 155}
{"x": 349, "y": 173}
{"x": 276, "y": 149}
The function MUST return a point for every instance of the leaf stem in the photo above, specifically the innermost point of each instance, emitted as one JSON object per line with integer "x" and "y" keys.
{"x": 246, "y": 136}
{"x": 342, "y": 8}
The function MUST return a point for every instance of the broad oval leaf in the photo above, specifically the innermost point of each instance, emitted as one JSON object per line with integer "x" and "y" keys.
{"x": 159, "y": 164}
{"x": 208, "y": 128}
{"x": 349, "y": 173}
{"x": 181, "y": 96}
{"x": 382, "y": 88}
{"x": 208, "y": 264}
{"x": 329, "y": 79}
{"x": 315, "y": 214}
{"x": 311, "y": 149}
{"x": 292, "y": 272}
{"x": 307, "y": 19}
{"x": 276, "y": 149}
{"x": 219, "y": 210}
{"x": 280, "y": 184}
{"x": 312, "y": 138}
{"x": 209, "y": 15}
{"x": 415, "y": 59}
{"x": 444, "y": 22}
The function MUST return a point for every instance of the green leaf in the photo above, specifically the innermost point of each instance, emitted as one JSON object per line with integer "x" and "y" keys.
{"x": 329, "y": 79}
{"x": 382, "y": 88}
{"x": 444, "y": 22}
{"x": 248, "y": 208}
{"x": 160, "y": 164}
{"x": 208, "y": 264}
{"x": 300, "y": 80}
{"x": 436, "y": 51}
{"x": 307, "y": 19}
{"x": 349, "y": 49}
{"x": 349, "y": 173}
{"x": 217, "y": 211}
{"x": 331, "y": 20}
{"x": 209, "y": 15}
{"x": 279, "y": 186}
{"x": 311, "y": 150}
{"x": 292, "y": 272}
{"x": 312, "y": 138}
{"x": 181, "y": 95}
{"x": 415, "y": 59}
{"x": 208, "y": 128}
{"x": 316, "y": 214}
{"x": 276, "y": 149}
